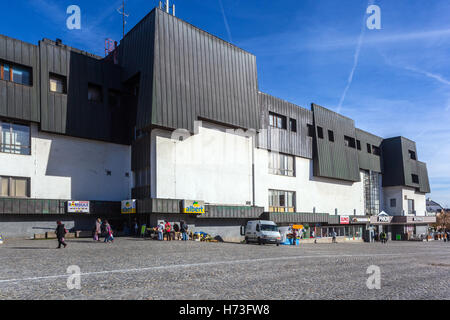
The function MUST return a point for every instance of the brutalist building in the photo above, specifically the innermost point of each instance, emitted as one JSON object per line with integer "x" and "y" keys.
{"x": 174, "y": 119}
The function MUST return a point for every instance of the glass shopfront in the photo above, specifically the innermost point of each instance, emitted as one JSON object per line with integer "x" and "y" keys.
{"x": 350, "y": 231}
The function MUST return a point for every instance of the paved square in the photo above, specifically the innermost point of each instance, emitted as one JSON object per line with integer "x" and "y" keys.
{"x": 145, "y": 269}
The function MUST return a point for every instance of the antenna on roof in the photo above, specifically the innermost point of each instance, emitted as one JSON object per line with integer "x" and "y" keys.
{"x": 124, "y": 15}
{"x": 166, "y": 7}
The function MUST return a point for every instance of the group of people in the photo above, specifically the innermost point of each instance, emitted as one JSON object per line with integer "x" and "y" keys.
{"x": 168, "y": 232}
{"x": 103, "y": 227}
{"x": 382, "y": 237}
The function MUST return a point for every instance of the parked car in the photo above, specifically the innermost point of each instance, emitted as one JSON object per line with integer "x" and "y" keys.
{"x": 261, "y": 232}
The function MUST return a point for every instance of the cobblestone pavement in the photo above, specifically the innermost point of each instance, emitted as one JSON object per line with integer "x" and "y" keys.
{"x": 145, "y": 269}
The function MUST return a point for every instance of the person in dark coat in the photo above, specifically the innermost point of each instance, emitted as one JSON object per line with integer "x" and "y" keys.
{"x": 60, "y": 234}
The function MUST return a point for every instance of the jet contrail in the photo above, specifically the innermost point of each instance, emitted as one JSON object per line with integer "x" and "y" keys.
{"x": 355, "y": 59}
{"x": 225, "y": 21}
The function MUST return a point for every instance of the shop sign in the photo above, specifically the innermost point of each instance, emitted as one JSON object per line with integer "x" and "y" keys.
{"x": 297, "y": 226}
{"x": 344, "y": 219}
{"x": 128, "y": 206}
{"x": 78, "y": 206}
{"x": 193, "y": 207}
{"x": 355, "y": 220}
{"x": 386, "y": 219}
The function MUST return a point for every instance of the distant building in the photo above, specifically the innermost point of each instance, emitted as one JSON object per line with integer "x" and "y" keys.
{"x": 174, "y": 118}
{"x": 433, "y": 207}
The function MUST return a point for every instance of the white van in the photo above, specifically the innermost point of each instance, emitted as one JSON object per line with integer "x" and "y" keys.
{"x": 261, "y": 232}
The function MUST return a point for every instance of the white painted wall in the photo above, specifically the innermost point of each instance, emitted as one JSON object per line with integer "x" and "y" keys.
{"x": 216, "y": 167}
{"x": 324, "y": 194}
{"x": 402, "y": 194}
{"x": 211, "y": 165}
{"x": 62, "y": 167}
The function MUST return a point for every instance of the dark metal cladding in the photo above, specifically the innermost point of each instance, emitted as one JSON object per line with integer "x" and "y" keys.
{"x": 20, "y": 101}
{"x": 284, "y": 141}
{"x": 399, "y": 165}
{"x": 368, "y": 161}
{"x": 72, "y": 113}
{"x": 300, "y": 217}
{"x": 196, "y": 75}
{"x": 334, "y": 159}
{"x": 240, "y": 212}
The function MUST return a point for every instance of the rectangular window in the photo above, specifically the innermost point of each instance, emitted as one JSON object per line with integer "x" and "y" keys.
{"x": 349, "y": 142}
{"x": 281, "y": 201}
{"x": 14, "y": 187}
{"x": 113, "y": 98}
{"x": 320, "y": 132}
{"x": 15, "y": 73}
{"x": 293, "y": 125}
{"x": 376, "y": 150}
{"x": 95, "y": 93}
{"x": 411, "y": 206}
{"x": 281, "y": 164}
{"x": 57, "y": 83}
{"x": 310, "y": 130}
{"x": 358, "y": 144}
{"x": 393, "y": 203}
{"x": 15, "y": 138}
{"x": 330, "y": 135}
{"x": 415, "y": 178}
{"x": 412, "y": 155}
{"x": 369, "y": 148}
{"x": 277, "y": 121}
{"x": 372, "y": 192}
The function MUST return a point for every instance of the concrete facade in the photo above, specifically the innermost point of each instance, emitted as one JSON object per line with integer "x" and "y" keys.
{"x": 401, "y": 195}
{"x": 63, "y": 167}
{"x": 204, "y": 166}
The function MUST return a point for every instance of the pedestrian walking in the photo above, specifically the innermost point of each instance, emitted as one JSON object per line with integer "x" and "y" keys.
{"x": 383, "y": 237}
{"x": 136, "y": 227}
{"x": 60, "y": 234}
{"x": 109, "y": 233}
{"x": 160, "y": 229}
{"x": 184, "y": 229}
{"x": 294, "y": 237}
{"x": 334, "y": 236}
{"x": 97, "y": 229}
{"x": 167, "y": 230}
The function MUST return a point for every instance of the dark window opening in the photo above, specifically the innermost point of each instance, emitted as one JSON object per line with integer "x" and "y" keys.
{"x": 320, "y": 132}
{"x": 349, "y": 142}
{"x": 293, "y": 125}
{"x": 113, "y": 98}
{"x": 412, "y": 155}
{"x": 369, "y": 148}
{"x": 57, "y": 83}
{"x": 393, "y": 203}
{"x": 415, "y": 178}
{"x": 277, "y": 121}
{"x": 358, "y": 144}
{"x": 15, "y": 73}
{"x": 310, "y": 130}
{"x": 95, "y": 93}
{"x": 376, "y": 150}
{"x": 330, "y": 135}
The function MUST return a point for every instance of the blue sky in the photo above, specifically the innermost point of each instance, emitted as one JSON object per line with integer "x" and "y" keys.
{"x": 306, "y": 51}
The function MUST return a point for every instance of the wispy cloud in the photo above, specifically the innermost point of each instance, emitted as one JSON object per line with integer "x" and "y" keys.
{"x": 225, "y": 21}
{"x": 434, "y": 76}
